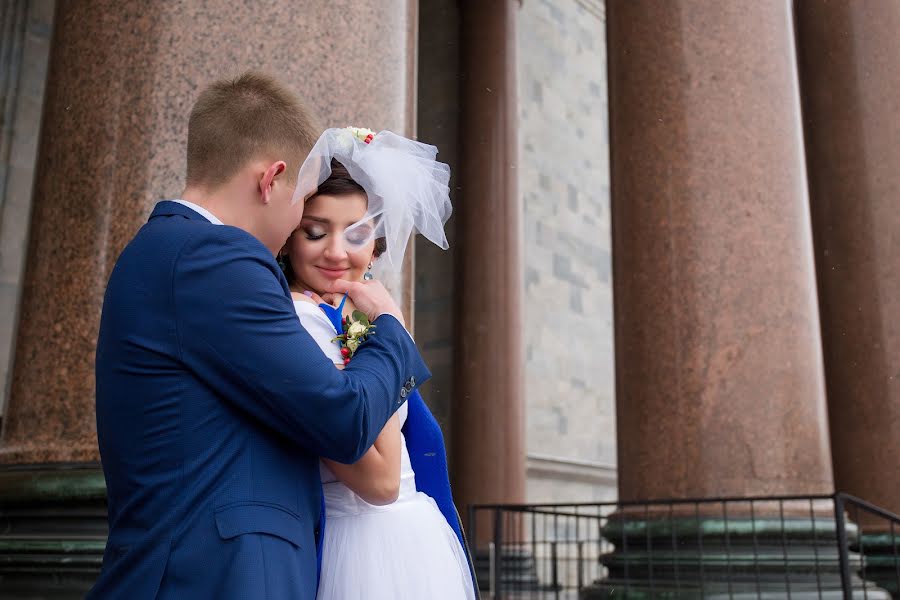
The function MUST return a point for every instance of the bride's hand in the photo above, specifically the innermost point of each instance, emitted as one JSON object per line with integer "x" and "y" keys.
{"x": 370, "y": 297}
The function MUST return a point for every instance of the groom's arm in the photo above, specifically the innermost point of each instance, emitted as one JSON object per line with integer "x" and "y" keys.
{"x": 239, "y": 333}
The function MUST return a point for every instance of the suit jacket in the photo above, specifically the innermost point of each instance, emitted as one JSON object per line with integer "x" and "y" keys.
{"x": 213, "y": 407}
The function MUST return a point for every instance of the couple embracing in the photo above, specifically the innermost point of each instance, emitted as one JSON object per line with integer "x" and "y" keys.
{"x": 260, "y": 428}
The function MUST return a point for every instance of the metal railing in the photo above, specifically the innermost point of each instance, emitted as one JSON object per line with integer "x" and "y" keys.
{"x": 828, "y": 547}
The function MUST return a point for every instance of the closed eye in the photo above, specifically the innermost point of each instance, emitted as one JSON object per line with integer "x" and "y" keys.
{"x": 359, "y": 236}
{"x": 313, "y": 233}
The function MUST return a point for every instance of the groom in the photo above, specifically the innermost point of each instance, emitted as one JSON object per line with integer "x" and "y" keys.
{"x": 213, "y": 404}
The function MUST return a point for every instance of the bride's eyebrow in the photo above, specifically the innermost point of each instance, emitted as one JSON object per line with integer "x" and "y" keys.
{"x": 322, "y": 220}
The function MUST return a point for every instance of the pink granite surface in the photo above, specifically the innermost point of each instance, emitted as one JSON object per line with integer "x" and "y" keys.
{"x": 848, "y": 55}
{"x": 123, "y": 76}
{"x": 488, "y": 410}
{"x": 720, "y": 386}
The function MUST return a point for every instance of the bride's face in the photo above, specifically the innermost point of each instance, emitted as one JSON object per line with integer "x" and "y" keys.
{"x": 318, "y": 252}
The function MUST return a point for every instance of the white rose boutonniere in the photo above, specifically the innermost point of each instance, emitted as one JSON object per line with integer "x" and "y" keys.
{"x": 356, "y": 330}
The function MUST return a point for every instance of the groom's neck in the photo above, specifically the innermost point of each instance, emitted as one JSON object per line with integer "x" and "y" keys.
{"x": 220, "y": 202}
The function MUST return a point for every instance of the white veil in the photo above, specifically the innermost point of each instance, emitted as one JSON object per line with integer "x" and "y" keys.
{"x": 407, "y": 188}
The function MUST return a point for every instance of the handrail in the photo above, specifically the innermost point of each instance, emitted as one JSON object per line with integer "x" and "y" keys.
{"x": 536, "y": 549}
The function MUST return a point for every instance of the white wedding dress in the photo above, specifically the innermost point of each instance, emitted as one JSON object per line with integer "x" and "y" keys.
{"x": 402, "y": 551}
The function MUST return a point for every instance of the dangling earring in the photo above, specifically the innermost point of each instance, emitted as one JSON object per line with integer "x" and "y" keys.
{"x": 368, "y": 276}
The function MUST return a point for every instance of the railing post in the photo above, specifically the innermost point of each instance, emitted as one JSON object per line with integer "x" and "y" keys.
{"x": 843, "y": 547}
{"x": 492, "y": 568}
{"x": 497, "y": 574}
{"x": 554, "y": 568}
{"x": 579, "y": 548}
{"x": 472, "y": 538}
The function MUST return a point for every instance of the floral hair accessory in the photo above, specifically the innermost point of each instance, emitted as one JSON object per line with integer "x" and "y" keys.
{"x": 363, "y": 134}
{"x": 356, "y": 330}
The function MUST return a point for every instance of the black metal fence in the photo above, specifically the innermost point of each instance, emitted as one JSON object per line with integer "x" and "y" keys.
{"x": 799, "y": 547}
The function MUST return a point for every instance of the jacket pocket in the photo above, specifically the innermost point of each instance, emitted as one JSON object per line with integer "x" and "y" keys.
{"x": 241, "y": 518}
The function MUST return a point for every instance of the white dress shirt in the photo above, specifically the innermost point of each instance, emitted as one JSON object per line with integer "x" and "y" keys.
{"x": 199, "y": 209}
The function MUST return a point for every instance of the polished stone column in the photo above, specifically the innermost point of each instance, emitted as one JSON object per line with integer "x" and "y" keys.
{"x": 488, "y": 461}
{"x": 720, "y": 385}
{"x": 123, "y": 76}
{"x": 848, "y": 55}
{"x": 720, "y": 388}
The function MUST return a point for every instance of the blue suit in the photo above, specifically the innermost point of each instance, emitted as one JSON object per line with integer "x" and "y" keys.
{"x": 213, "y": 407}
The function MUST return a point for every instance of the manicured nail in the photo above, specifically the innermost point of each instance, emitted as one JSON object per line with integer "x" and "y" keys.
{"x": 307, "y": 293}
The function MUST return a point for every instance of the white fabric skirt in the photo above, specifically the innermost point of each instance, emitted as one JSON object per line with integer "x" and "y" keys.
{"x": 403, "y": 551}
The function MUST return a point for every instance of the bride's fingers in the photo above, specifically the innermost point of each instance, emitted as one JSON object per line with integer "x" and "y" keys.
{"x": 342, "y": 286}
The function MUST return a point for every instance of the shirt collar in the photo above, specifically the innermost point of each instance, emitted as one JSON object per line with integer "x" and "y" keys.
{"x": 200, "y": 210}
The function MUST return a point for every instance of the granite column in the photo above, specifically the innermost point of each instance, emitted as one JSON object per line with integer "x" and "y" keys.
{"x": 720, "y": 385}
{"x": 848, "y": 54}
{"x": 851, "y": 107}
{"x": 488, "y": 418}
{"x": 717, "y": 339}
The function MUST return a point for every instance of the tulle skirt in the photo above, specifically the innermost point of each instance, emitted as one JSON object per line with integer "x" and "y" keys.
{"x": 403, "y": 551}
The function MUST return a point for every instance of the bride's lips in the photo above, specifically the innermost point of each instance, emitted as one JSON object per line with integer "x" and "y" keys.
{"x": 332, "y": 273}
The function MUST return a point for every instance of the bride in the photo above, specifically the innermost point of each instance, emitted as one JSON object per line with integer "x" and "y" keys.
{"x": 391, "y": 530}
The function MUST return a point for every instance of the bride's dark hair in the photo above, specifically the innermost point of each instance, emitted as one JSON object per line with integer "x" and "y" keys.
{"x": 339, "y": 183}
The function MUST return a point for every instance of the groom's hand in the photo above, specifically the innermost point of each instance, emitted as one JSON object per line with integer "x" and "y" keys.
{"x": 371, "y": 297}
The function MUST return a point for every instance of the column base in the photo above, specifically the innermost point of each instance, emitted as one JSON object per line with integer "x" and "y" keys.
{"x": 54, "y": 528}
{"x": 716, "y": 558}
{"x": 660, "y": 592}
{"x": 882, "y": 552}
{"x": 517, "y": 571}
{"x": 37, "y": 452}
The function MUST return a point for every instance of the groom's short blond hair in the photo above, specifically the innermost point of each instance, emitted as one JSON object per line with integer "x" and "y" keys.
{"x": 238, "y": 120}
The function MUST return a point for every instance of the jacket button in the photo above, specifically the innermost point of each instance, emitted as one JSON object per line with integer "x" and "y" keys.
{"x": 403, "y": 392}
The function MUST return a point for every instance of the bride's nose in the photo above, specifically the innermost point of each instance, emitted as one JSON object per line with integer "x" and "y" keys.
{"x": 335, "y": 247}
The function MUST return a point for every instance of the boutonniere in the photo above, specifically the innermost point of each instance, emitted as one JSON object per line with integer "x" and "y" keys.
{"x": 356, "y": 330}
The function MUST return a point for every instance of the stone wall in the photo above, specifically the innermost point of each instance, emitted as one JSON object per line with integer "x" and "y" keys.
{"x": 564, "y": 183}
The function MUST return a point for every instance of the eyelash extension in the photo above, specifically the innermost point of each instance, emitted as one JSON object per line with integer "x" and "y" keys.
{"x": 314, "y": 238}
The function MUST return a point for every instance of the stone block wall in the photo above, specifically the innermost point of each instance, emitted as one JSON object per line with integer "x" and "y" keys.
{"x": 564, "y": 184}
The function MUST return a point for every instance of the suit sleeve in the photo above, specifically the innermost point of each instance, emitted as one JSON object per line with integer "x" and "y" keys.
{"x": 239, "y": 333}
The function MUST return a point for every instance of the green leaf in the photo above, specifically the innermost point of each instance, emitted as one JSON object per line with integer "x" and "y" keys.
{"x": 360, "y": 317}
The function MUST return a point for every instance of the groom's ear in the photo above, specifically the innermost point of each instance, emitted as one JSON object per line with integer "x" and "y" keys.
{"x": 267, "y": 181}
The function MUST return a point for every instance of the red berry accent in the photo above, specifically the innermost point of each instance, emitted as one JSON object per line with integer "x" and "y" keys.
{"x": 345, "y": 352}
{"x": 369, "y": 138}
{"x": 346, "y": 361}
